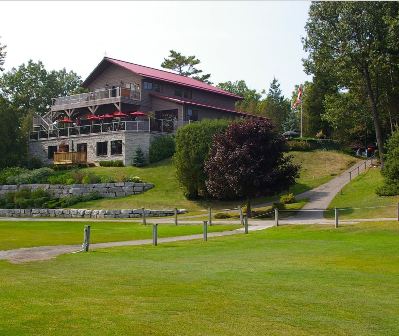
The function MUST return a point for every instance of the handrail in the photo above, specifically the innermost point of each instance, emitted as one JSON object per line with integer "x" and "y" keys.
{"x": 99, "y": 94}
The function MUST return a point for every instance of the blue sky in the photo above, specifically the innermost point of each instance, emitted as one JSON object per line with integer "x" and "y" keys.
{"x": 254, "y": 41}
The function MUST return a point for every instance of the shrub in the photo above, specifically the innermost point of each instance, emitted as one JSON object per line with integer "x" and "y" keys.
{"x": 222, "y": 215}
{"x": 391, "y": 168}
{"x": 161, "y": 148}
{"x": 25, "y": 199}
{"x": 192, "y": 148}
{"x": 388, "y": 189}
{"x": 107, "y": 179}
{"x": 139, "y": 158}
{"x": 11, "y": 172}
{"x": 71, "y": 200}
{"x": 295, "y": 145}
{"x": 287, "y": 199}
{"x": 77, "y": 176}
{"x": 33, "y": 163}
{"x": 111, "y": 163}
{"x": 40, "y": 175}
{"x": 91, "y": 178}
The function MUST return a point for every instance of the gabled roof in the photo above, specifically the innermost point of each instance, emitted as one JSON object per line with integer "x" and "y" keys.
{"x": 195, "y": 103}
{"x": 157, "y": 74}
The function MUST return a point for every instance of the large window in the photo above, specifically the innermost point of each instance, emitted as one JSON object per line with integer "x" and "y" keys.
{"x": 82, "y": 147}
{"x": 186, "y": 93}
{"x": 151, "y": 86}
{"x": 147, "y": 85}
{"x": 102, "y": 148}
{"x": 50, "y": 152}
{"x": 116, "y": 147}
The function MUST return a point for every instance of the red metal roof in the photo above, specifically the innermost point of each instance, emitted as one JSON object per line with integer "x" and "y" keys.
{"x": 195, "y": 103}
{"x": 163, "y": 75}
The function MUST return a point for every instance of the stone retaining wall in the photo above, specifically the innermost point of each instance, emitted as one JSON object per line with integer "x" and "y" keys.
{"x": 86, "y": 213}
{"x": 112, "y": 190}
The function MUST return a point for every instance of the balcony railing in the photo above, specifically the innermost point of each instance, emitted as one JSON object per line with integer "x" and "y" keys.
{"x": 98, "y": 96}
{"x": 156, "y": 125}
{"x": 61, "y": 158}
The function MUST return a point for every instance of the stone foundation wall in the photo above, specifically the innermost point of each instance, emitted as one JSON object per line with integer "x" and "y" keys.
{"x": 118, "y": 189}
{"x": 86, "y": 213}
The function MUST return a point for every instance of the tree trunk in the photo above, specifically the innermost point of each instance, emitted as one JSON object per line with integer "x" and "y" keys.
{"x": 374, "y": 110}
{"x": 249, "y": 211}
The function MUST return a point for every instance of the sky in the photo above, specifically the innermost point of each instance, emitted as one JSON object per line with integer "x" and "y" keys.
{"x": 254, "y": 41}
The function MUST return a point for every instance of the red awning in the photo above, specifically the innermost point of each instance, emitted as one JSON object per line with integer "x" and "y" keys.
{"x": 66, "y": 120}
{"x": 107, "y": 116}
{"x": 138, "y": 114}
{"x": 119, "y": 114}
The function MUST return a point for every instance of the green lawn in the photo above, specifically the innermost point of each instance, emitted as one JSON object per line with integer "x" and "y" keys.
{"x": 291, "y": 280}
{"x": 317, "y": 167}
{"x": 16, "y": 234}
{"x": 360, "y": 193}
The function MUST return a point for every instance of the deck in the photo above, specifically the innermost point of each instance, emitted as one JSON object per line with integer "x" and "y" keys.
{"x": 66, "y": 158}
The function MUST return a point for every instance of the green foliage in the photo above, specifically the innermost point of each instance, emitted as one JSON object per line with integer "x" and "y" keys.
{"x": 11, "y": 172}
{"x": 111, "y": 163}
{"x": 309, "y": 144}
{"x": 91, "y": 178}
{"x": 25, "y": 199}
{"x": 162, "y": 148}
{"x": 222, "y": 215}
{"x": 40, "y": 175}
{"x": 68, "y": 201}
{"x": 287, "y": 198}
{"x": 185, "y": 65}
{"x": 3, "y": 54}
{"x": 391, "y": 168}
{"x": 192, "y": 147}
{"x": 139, "y": 158}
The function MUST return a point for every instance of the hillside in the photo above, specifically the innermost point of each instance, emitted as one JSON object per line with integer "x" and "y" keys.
{"x": 317, "y": 167}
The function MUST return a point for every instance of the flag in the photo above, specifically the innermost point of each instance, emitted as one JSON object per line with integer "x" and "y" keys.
{"x": 299, "y": 97}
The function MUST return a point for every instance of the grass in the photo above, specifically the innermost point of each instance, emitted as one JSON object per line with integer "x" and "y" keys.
{"x": 291, "y": 280}
{"x": 317, "y": 167}
{"x": 360, "y": 193}
{"x": 16, "y": 234}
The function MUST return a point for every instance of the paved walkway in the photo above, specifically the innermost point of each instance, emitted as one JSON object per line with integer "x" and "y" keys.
{"x": 319, "y": 199}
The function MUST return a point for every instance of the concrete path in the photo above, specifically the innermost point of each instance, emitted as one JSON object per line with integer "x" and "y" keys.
{"x": 22, "y": 255}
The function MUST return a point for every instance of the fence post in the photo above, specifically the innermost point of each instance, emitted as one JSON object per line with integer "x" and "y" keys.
{"x": 205, "y": 230}
{"x": 143, "y": 215}
{"x": 350, "y": 176}
{"x": 358, "y": 171}
{"x": 155, "y": 234}
{"x": 210, "y": 216}
{"x": 246, "y": 224}
{"x": 336, "y": 213}
{"x": 241, "y": 216}
{"x": 175, "y": 216}
{"x": 276, "y": 216}
{"x": 86, "y": 238}
{"x": 365, "y": 164}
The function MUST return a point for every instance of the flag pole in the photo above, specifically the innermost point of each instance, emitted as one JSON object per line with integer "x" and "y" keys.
{"x": 301, "y": 120}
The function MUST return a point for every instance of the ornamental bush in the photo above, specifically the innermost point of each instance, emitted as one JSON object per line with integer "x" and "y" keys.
{"x": 248, "y": 161}
{"x": 162, "y": 148}
{"x": 192, "y": 147}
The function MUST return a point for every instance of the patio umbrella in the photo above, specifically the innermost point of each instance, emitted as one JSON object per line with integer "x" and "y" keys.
{"x": 138, "y": 114}
{"x": 119, "y": 114}
{"x": 66, "y": 120}
{"x": 107, "y": 116}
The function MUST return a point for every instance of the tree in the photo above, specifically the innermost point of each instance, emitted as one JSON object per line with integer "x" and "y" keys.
{"x": 192, "y": 147}
{"x": 355, "y": 41}
{"x": 3, "y": 54}
{"x": 251, "y": 98}
{"x": 13, "y": 143}
{"x": 247, "y": 161}
{"x": 275, "y": 106}
{"x": 139, "y": 158}
{"x": 31, "y": 87}
{"x": 185, "y": 66}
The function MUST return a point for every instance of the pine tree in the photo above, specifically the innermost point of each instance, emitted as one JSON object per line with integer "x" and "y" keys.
{"x": 139, "y": 158}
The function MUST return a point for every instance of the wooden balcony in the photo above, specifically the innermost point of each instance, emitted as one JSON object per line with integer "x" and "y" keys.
{"x": 98, "y": 97}
{"x": 67, "y": 158}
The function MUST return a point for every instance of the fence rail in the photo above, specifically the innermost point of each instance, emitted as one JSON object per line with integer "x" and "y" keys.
{"x": 70, "y": 157}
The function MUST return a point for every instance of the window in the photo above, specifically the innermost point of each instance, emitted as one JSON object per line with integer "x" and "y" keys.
{"x": 187, "y": 94}
{"x": 156, "y": 87}
{"x": 116, "y": 147}
{"x": 147, "y": 85}
{"x": 183, "y": 93}
{"x": 102, "y": 148}
{"x": 82, "y": 147}
{"x": 178, "y": 92}
{"x": 50, "y": 152}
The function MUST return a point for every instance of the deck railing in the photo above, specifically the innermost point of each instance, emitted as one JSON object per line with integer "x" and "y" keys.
{"x": 98, "y": 95}
{"x": 155, "y": 125}
{"x": 70, "y": 157}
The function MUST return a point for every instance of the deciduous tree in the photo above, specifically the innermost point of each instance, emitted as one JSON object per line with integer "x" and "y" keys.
{"x": 3, "y": 54}
{"x": 247, "y": 160}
